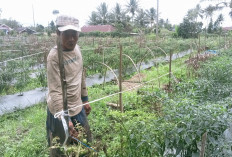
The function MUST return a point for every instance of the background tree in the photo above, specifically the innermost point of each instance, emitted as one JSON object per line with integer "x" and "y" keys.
{"x": 151, "y": 13}
{"x": 189, "y": 29}
{"x": 102, "y": 12}
{"x": 93, "y": 19}
{"x": 11, "y": 23}
{"x": 52, "y": 26}
{"x": 39, "y": 28}
{"x": 117, "y": 13}
{"x": 132, "y": 7}
{"x": 161, "y": 23}
{"x": 210, "y": 26}
{"x": 217, "y": 23}
{"x": 167, "y": 25}
{"x": 220, "y": 5}
{"x": 126, "y": 22}
{"x": 209, "y": 11}
{"x": 141, "y": 18}
{"x": 193, "y": 14}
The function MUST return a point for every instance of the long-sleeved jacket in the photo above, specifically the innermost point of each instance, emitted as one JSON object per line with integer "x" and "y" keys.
{"x": 75, "y": 78}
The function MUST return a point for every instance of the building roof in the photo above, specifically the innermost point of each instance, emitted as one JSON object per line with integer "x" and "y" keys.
{"x": 100, "y": 28}
{"x": 226, "y": 28}
{"x": 5, "y": 27}
{"x": 27, "y": 30}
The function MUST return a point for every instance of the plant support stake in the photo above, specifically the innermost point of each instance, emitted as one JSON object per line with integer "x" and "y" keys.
{"x": 170, "y": 72}
{"x": 203, "y": 143}
{"x": 120, "y": 80}
{"x": 63, "y": 84}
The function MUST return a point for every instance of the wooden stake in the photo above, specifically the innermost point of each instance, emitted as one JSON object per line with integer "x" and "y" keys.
{"x": 199, "y": 40}
{"x": 157, "y": 68}
{"x": 170, "y": 72}
{"x": 203, "y": 143}
{"x": 120, "y": 80}
{"x": 62, "y": 79}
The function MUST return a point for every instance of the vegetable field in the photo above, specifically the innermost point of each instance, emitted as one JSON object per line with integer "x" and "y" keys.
{"x": 177, "y": 107}
{"x": 23, "y": 59}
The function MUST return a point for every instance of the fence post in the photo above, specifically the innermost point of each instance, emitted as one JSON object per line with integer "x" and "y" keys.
{"x": 203, "y": 143}
{"x": 219, "y": 42}
{"x": 120, "y": 79}
{"x": 22, "y": 76}
{"x": 225, "y": 43}
{"x": 170, "y": 72}
{"x": 199, "y": 41}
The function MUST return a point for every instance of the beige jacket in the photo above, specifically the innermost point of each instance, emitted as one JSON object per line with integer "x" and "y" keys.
{"x": 75, "y": 77}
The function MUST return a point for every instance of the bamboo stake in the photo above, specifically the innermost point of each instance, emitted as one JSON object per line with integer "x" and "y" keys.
{"x": 170, "y": 72}
{"x": 63, "y": 79}
{"x": 199, "y": 41}
{"x": 203, "y": 143}
{"x": 120, "y": 80}
{"x": 157, "y": 68}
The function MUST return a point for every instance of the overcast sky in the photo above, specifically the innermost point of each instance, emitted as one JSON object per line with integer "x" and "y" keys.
{"x": 21, "y": 10}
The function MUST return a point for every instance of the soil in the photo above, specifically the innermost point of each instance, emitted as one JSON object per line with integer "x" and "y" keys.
{"x": 133, "y": 82}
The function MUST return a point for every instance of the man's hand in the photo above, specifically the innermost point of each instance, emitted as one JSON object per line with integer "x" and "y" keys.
{"x": 72, "y": 130}
{"x": 87, "y": 108}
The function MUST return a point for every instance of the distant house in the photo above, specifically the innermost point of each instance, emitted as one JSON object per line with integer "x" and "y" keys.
{"x": 227, "y": 28}
{"x": 25, "y": 30}
{"x": 5, "y": 28}
{"x": 95, "y": 28}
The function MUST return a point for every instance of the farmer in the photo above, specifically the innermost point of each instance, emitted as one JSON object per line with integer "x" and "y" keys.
{"x": 68, "y": 33}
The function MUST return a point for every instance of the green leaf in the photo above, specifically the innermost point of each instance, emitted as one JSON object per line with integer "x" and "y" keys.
{"x": 188, "y": 140}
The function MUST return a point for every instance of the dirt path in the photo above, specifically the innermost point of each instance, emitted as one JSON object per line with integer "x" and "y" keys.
{"x": 133, "y": 81}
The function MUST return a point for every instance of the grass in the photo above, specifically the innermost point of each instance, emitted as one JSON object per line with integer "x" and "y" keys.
{"x": 23, "y": 132}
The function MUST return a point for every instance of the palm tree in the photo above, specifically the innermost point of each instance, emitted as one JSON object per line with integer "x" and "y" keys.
{"x": 161, "y": 23}
{"x": 221, "y": 5}
{"x": 93, "y": 19}
{"x": 103, "y": 12}
{"x": 218, "y": 22}
{"x": 193, "y": 14}
{"x": 117, "y": 12}
{"x": 141, "y": 18}
{"x": 132, "y": 7}
{"x": 230, "y": 5}
{"x": 209, "y": 11}
{"x": 151, "y": 15}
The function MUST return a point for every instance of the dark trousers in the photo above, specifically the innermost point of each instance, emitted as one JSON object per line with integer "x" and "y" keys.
{"x": 55, "y": 128}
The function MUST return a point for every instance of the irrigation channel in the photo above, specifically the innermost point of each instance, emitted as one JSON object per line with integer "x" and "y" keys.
{"x": 10, "y": 103}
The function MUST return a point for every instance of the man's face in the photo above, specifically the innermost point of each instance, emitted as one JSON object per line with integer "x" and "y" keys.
{"x": 69, "y": 39}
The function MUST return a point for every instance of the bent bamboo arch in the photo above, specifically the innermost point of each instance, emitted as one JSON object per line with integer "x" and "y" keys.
{"x": 110, "y": 70}
{"x": 147, "y": 52}
{"x": 132, "y": 63}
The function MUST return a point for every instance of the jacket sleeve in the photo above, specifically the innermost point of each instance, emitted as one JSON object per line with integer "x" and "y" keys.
{"x": 54, "y": 85}
{"x": 84, "y": 92}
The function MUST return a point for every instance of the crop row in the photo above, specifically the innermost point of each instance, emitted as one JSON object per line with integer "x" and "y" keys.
{"x": 23, "y": 73}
